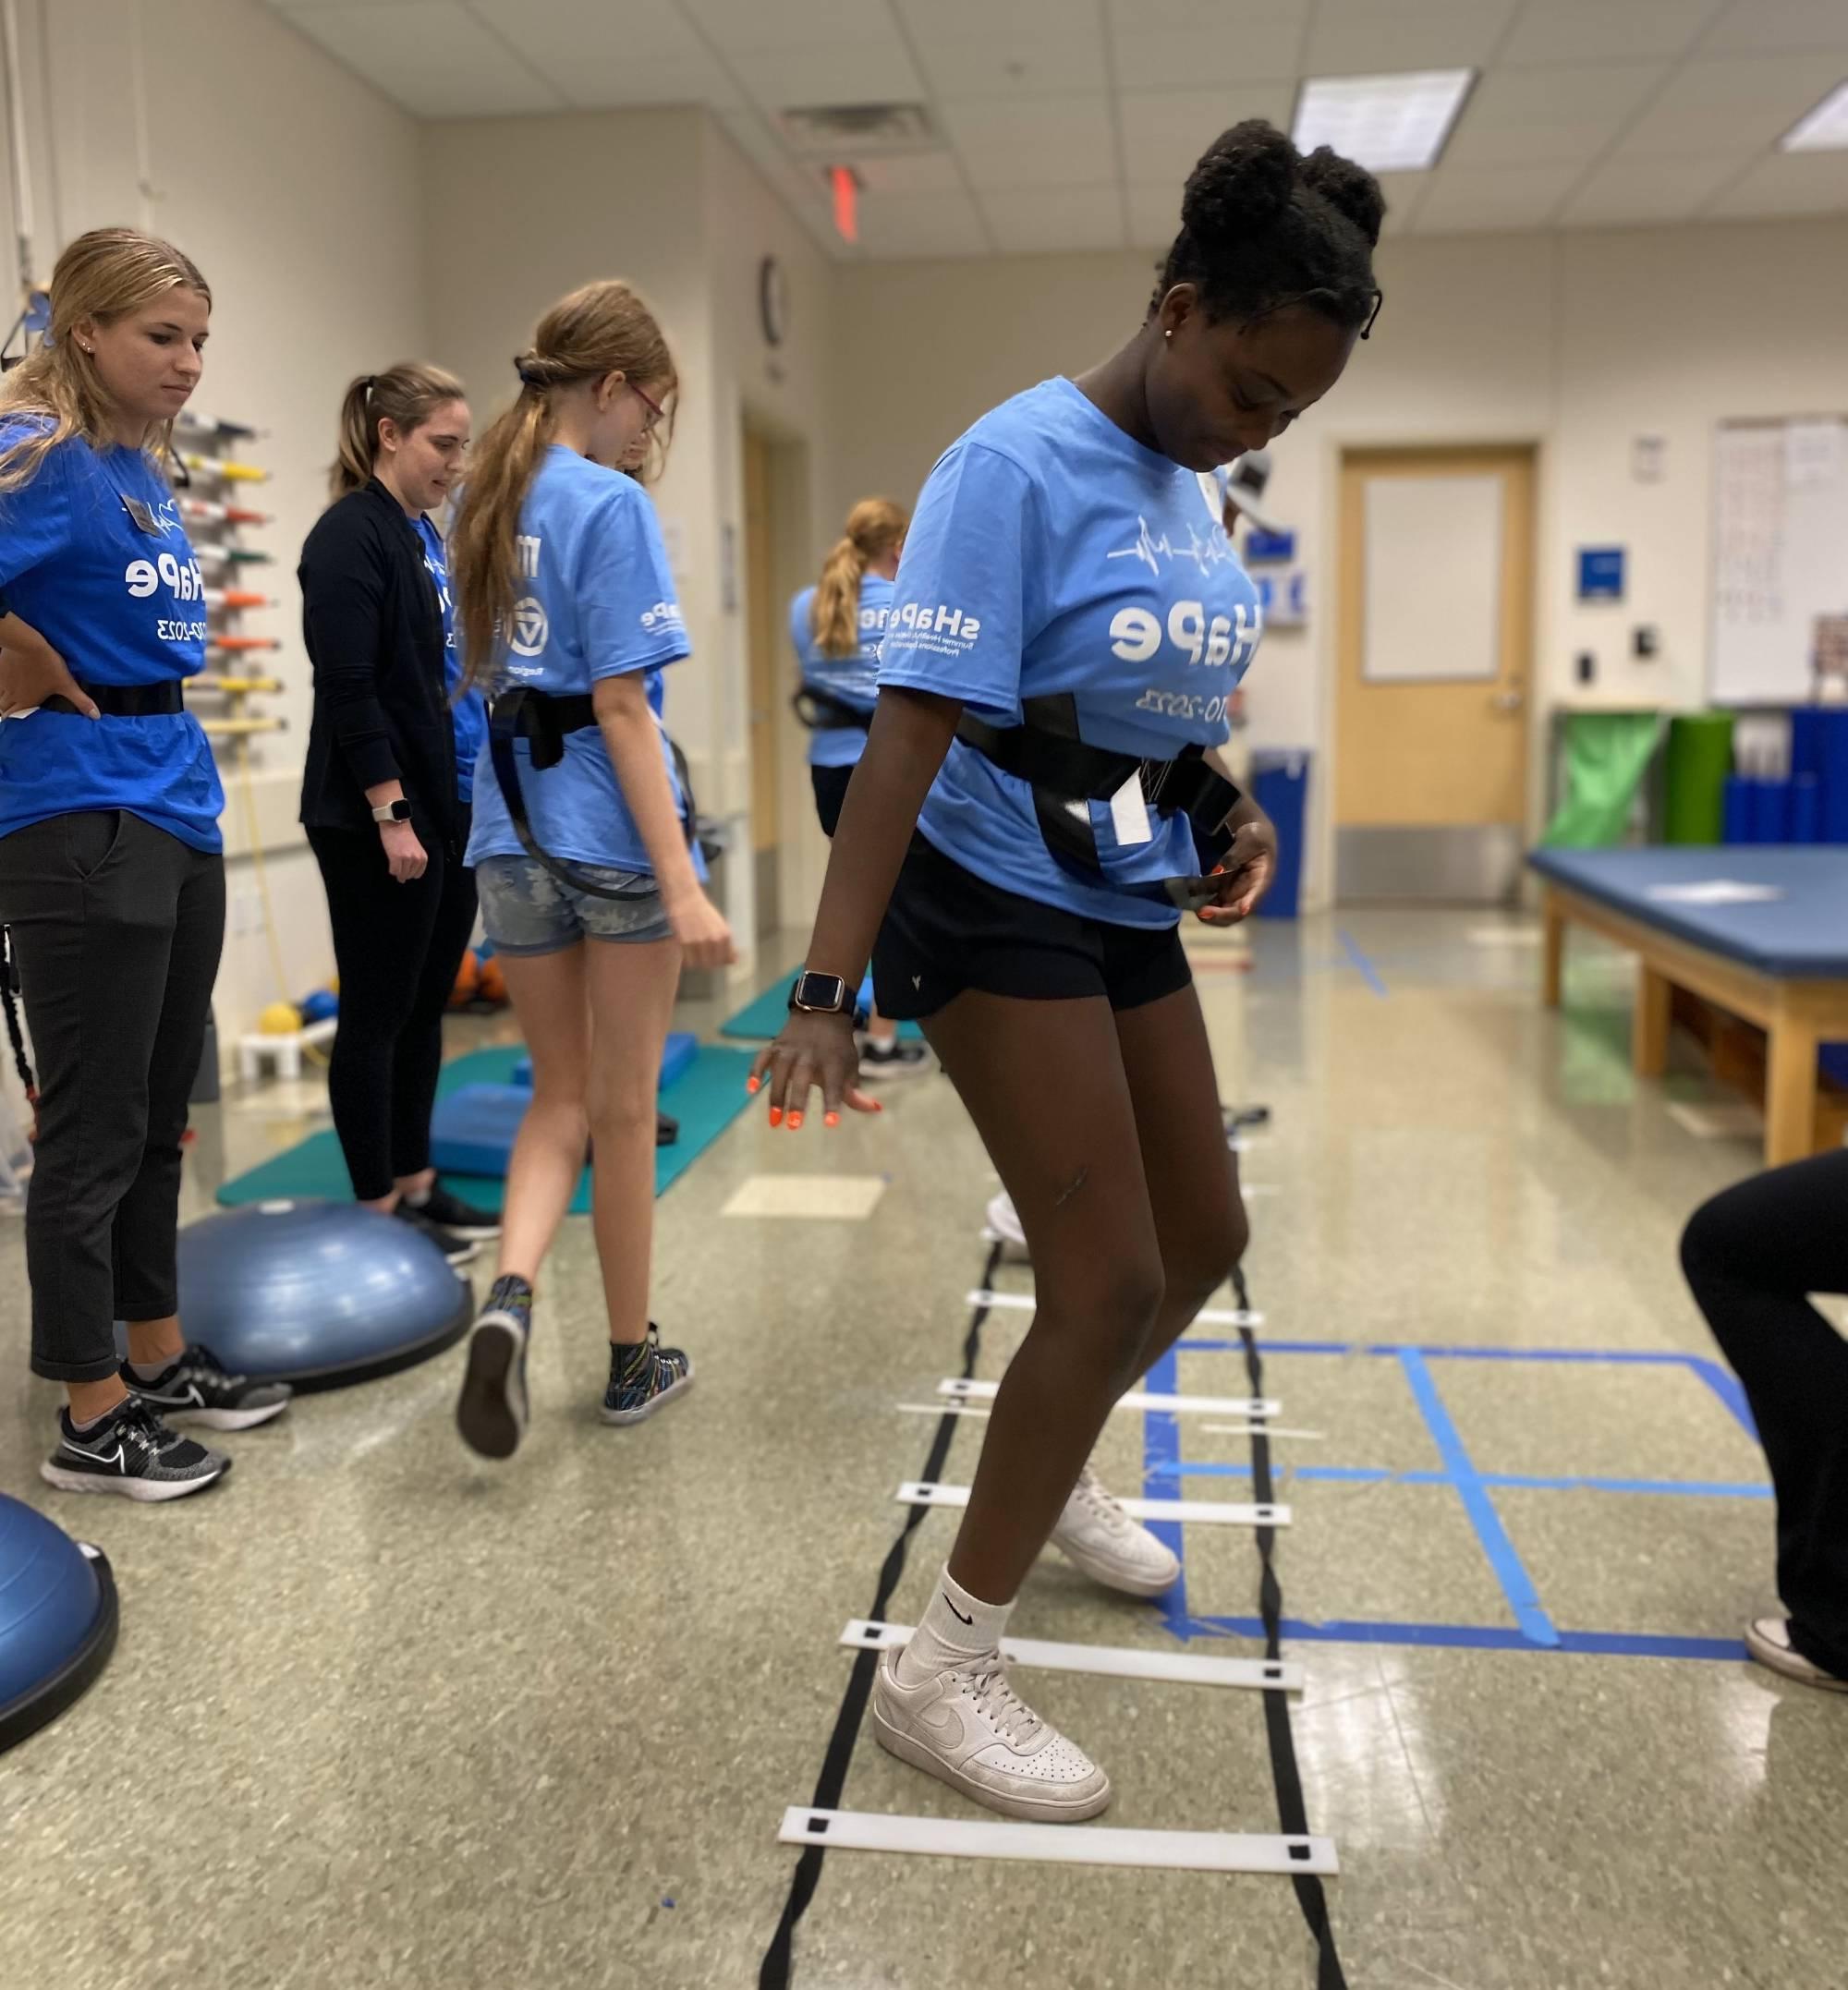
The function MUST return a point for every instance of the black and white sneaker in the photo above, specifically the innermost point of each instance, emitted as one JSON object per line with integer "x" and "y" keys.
{"x": 458, "y": 1217}
{"x": 902, "y": 1058}
{"x": 132, "y": 1453}
{"x": 198, "y": 1389}
{"x": 457, "y": 1250}
{"x": 493, "y": 1410}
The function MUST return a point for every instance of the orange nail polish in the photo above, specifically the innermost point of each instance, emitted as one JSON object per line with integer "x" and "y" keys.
{"x": 834, "y": 1119}
{"x": 795, "y": 1121}
{"x": 776, "y": 1115}
{"x": 751, "y": 1085}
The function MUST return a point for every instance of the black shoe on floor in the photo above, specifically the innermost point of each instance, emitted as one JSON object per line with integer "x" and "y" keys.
{"x": 458, "y": 1217}
{"x": 198, "y": 1389}
{"x": 493, "y": 1411}
{"x": 131, "y": 1452}
{"x": 902, "y": 1058}
{"x": 457, "y": 1250}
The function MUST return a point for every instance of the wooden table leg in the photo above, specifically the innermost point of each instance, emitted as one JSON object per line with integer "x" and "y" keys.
{"x": 1789, "y": 1092}
{"x": 1650, "y": 1033}
{"x": 1553, "y": 959}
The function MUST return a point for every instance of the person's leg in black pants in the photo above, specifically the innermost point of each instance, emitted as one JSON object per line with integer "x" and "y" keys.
{"x": 419, "y": 1046}
{"x": 1753, "y": 1255}
{"x": 382, "y": 941}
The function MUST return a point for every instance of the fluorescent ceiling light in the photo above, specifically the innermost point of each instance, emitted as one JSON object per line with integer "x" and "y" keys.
{"x": 1824, "y": 130}
{"x": 1389, "y": 123}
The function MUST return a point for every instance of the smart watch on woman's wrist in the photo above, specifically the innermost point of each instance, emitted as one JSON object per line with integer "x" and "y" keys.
{"x": 397, "y": 811}
{"x": 816, "y": 994}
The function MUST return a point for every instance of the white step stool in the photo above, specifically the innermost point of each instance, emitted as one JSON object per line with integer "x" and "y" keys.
{"x": 282, "y": 1053}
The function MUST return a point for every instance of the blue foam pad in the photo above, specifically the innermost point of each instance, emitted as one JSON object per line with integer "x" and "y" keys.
{"x": 57, "y": 1620}
{"x": 1801, "y": 933}
{"x": 683, "y": 1047}
{"x": 471, "y": 1131}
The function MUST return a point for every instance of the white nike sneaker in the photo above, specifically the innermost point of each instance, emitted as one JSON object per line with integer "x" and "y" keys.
{"x": 969, "y": 1728}
{"x": 1101, "y": 1539}
{"x": 1004, "y": 1225}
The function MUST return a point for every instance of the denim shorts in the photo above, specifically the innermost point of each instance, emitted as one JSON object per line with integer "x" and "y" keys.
{"x": 526, "y": 910}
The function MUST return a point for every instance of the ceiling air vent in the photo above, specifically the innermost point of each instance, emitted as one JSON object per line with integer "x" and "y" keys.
{"x": 836, "y": 131}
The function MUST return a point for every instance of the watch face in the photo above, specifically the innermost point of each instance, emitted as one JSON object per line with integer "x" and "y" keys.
{"x": 772, "y": 300}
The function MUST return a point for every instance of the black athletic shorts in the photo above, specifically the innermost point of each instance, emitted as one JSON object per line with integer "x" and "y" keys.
{"x": 946, "y": 930}
{"x": 830, "y": 791}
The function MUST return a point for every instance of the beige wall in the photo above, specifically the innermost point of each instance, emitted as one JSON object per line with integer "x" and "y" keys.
{"x": 295, "y": 188}
{"x": 1576, "y": 343}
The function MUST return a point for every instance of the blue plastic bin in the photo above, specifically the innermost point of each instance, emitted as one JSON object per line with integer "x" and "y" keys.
{"x": 1280, "y": 785}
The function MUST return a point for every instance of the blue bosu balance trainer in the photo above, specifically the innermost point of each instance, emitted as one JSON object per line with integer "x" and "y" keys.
{"x": 57, "y": 1620}
{"x": 318, "y": 1295}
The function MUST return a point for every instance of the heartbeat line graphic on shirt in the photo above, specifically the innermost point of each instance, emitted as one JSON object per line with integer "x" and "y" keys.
{"x": 1214, "y": 549}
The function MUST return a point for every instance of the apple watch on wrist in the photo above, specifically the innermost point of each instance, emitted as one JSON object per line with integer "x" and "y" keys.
{"x": 397, "y": 811}
{"x": 817, "y": 994}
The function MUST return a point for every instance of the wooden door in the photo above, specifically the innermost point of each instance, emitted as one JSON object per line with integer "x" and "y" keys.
{"x": 769, "y": 670}
{"x": 1433, "y": 669}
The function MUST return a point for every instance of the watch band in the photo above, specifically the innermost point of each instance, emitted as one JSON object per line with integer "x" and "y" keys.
{"x": 397, "y": 811}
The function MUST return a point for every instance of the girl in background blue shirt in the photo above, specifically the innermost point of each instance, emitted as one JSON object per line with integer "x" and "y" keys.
{"x": 836, "y": 627}
{"x": 112, "y": 884}
{"x": 591, "y": 887}
{"x": 1067, "y": 591}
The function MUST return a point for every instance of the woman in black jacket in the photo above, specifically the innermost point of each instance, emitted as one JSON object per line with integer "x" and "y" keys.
{"x": 385, "y": 795}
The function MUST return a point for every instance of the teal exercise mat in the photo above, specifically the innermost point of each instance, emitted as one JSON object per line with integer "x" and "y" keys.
{"x": 706, "y": 1098}
{"x": 761, "y": 1019}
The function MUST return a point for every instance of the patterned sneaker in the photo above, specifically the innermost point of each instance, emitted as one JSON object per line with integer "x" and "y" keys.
{"x": 968, "y": 1728}
{"x": 198, "y": 1389}
{"x": 1095, "y": 1533}
{"x": 458, "y": 1217}
{"x": 899, "y": 1058}
{"x": 643, "y": 1377}
{"x": 493, "y": 1411}
{"x": 457, "y": 1250}
{"x": 132, "y": 1453}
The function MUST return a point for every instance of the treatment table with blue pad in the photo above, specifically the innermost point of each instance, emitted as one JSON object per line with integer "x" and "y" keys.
{"x": 1759, "y": 930}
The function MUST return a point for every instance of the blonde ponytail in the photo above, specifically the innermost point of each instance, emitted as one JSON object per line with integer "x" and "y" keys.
{"x": 406, "y": 395}
{"x": 602, "y": 328}
{"x": 875, "y": 528}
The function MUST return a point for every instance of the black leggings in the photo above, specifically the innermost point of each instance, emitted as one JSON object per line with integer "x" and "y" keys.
{"x": 1753, "y": 1256}
{"x": 118, "y": 927}
{"x": 398, "y": 947}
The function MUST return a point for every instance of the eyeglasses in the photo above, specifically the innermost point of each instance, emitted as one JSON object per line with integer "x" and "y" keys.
{"x": 656, "y": 413}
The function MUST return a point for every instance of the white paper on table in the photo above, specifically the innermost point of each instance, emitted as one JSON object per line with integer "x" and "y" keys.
{"x": 1715, "y": 891}
{"x": 1812, "y": 454}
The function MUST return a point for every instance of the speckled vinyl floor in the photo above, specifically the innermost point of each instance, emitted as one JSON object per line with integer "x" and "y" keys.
{"x": 384, "y": 1716}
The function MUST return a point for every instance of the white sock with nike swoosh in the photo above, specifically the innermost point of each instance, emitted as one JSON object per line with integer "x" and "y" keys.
{"x": 956, "y": 1626}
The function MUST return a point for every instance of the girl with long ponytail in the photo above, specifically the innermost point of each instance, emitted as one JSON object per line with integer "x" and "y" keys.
{"x": 836, "y": 627}
{"x": 591, "y": 885}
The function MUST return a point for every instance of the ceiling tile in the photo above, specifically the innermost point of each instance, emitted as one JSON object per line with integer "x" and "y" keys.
{"x": 1248, "y": 48}
{"x": 1032, "y": 141}
{"x": 1595, "y": 30}
{"x": 551, "y": 33}
{"x": 912, "y": 173}
{"x": 920, "y": 225}
{"x": 1521, "y": 117}
{"x": 1154, "y": 214}
{"x": 1626, "y": 192}
{"x": 1765, "y": 26}
{"x": 1787, "y": 183}
{"x": 858, "y": 73}
{"x": 1729, "y": 106}
{"x": 1130, "y": 16}
{"x": 1381, "y": 39}
{"x": 1494, "y": 197}
{"x": 758, "y": 26}
{"x": 1040, "y": 220}
{"x": 968, "y": 21}
{"x": 1007, "y": 65}
{"x": 435, "y": 60}
{"x": 1165, "y": 131}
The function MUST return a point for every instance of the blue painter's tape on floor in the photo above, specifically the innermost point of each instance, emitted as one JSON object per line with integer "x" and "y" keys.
{"x": 1517, "y": 1586}
{"x": 1729, "y": 1388}
{"x": 1495, "y": 1481}
{"x": 1365, "y": 969}
{"x": 1477, "y": 1637}
{"x": 1161, "y": 1458}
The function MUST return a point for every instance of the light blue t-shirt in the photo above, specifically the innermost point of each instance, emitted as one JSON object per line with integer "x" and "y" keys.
{"x": 597, "y": 600}
{"x": 468, "y": 714}
{"x": 1052, "y": 553}
{"x": 118, "y": 593}
{"x": 852, "y": 679}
